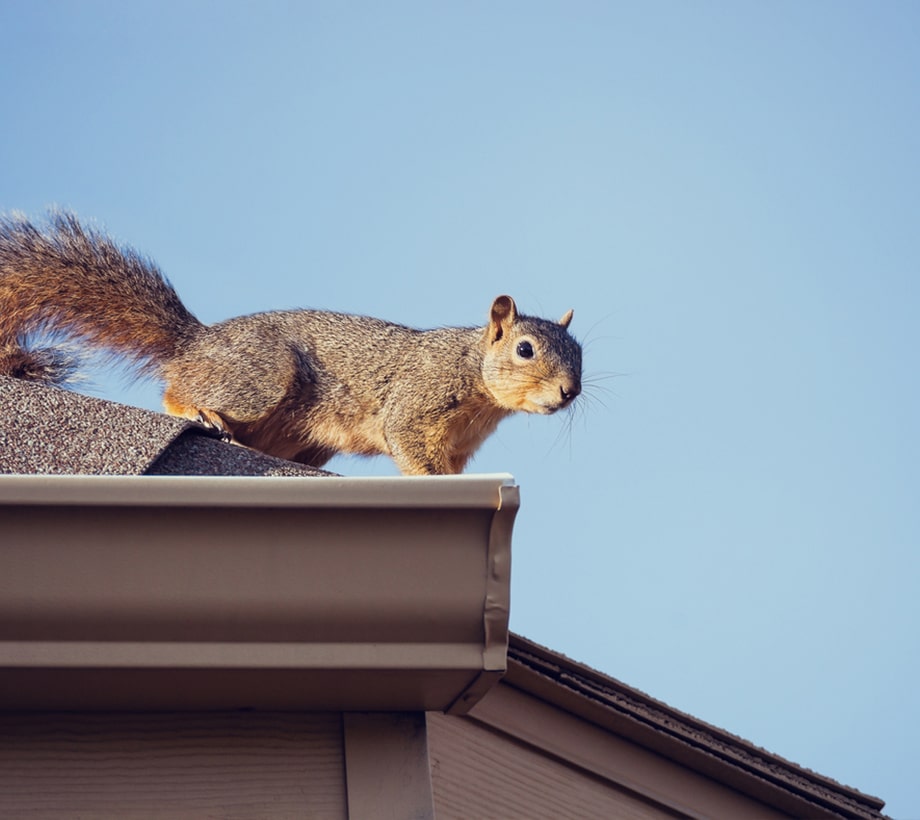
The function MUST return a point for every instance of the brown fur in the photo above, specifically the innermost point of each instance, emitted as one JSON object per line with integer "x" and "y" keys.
{"x": 302, "y": 385}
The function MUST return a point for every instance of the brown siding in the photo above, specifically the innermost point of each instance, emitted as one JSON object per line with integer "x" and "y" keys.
{"x": 479, "y": 773}
{"x": 174, "y": 765}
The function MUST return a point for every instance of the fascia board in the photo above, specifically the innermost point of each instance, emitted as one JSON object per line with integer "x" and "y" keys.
{"x": 312, "y": 593}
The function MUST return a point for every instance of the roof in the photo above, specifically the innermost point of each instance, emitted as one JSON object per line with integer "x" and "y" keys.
{"x": 680, "y": 737}
{"x": 48, "y": 430}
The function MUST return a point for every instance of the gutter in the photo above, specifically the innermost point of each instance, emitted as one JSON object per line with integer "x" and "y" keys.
{"x": 179, "y": 592}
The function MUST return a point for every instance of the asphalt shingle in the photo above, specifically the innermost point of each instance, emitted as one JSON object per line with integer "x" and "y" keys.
{"x": 47, "y": 430}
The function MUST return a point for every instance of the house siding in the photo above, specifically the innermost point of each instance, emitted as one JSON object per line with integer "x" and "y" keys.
{"x": 242, "y": 765}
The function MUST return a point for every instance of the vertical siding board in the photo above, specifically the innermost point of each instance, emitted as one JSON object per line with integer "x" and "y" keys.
{"x": 386, "y": 766}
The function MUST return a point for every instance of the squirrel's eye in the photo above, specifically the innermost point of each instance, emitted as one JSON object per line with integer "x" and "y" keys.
{"x": 525, "y": 350}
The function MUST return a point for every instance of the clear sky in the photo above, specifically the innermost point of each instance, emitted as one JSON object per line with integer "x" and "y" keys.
{"x": 728, "y": 195}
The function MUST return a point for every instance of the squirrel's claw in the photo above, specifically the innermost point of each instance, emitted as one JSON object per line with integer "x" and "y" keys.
{"x": 215, "y": 424}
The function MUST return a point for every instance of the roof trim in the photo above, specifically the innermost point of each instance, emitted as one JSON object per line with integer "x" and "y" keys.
{"x": 726, "y": 758}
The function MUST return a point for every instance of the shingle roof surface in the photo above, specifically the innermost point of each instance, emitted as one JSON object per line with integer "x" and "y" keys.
{"x": 46, "y": 430}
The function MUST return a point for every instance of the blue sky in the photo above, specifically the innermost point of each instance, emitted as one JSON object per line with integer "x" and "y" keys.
{"x": 726, "y": 193}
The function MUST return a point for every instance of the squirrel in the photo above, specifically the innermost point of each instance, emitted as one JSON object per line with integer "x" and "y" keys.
{"x": 298, "y": 384}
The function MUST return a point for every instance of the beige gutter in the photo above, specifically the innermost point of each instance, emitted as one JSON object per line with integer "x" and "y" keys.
{"x": 317, "y": 593}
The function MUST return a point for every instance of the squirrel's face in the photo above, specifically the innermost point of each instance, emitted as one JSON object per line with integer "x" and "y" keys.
{"x": 532, "y": 365}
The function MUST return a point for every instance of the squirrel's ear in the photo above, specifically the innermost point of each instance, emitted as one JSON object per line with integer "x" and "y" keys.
{"x": 566, "y": 320}
{"x": 502, "y": 316}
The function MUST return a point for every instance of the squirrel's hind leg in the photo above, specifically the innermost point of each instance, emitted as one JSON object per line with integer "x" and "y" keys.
{"x": 202, "y": 415}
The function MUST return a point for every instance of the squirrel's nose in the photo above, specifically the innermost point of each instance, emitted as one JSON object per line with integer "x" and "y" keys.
{"x": 569, "y": 392}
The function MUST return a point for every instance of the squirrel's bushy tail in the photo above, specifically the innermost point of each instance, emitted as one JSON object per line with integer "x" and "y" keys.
{"x": 72, "y": 280}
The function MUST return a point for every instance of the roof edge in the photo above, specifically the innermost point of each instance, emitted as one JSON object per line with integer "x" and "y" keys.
{"x": 605, "y": 701}
{"x": 284, "y": 593}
